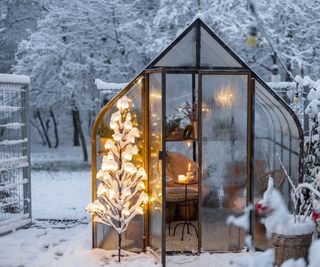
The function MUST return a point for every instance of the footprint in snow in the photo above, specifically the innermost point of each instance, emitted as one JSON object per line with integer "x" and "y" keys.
{"x": 45, "y": 247}
{"x": 58, "y": 253}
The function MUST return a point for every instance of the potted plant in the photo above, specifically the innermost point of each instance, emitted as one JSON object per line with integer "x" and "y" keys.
{"x": 173, "y": 129}
{"x": 105, "y": 133}
{"x": 190, "y": 118}
{"x": 291, "y": 233}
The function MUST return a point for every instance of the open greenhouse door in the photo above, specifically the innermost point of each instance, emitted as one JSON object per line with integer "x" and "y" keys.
{"x": 155, "y": 83}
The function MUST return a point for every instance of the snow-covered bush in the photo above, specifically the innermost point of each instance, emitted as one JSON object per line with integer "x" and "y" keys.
{"x": 7, "y": 193}
{"x": 312, "y": 151}
{"x": 280, "y": 220}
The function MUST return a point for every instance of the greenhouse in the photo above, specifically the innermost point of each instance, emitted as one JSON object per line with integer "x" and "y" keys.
{"x": 212, "y": 133}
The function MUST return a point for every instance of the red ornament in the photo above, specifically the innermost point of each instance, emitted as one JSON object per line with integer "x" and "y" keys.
{"x": 260, "y": 209}
{"x": 315, "y": 215}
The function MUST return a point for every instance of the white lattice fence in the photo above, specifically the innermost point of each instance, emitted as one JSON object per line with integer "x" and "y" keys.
{"x": 15, "y": 179}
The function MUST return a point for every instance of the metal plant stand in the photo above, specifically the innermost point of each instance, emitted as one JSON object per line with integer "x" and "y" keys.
{"x": 187, "y": 219}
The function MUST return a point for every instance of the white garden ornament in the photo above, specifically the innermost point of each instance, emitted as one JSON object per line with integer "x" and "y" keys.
{"x": 120, "y": 195}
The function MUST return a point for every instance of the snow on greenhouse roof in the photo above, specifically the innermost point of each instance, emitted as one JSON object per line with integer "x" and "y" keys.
{"x": 101, "y": 85}
{"x": 12, "y": 78}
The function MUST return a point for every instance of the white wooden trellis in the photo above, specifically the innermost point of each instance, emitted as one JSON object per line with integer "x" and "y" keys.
{"x": 15, "y": 175}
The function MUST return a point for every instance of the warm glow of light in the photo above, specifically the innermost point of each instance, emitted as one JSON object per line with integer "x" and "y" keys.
{"x": 111, "y": 194}
{"x": 139, "y": 210}
{"x": 225, "y": 97}
{"x": 189, "y": 167}
{"x": 140, "y": 79}
{"x": 205, "y": 108}
{"x": 125, "y": 212}
{"x": 108, "y": 144}
{"x": 181, "y": 178}
{"x": 141, "y": 185}
{"x": 189, "y": 144}
{"x": 155, "y": 95}
{"x": 144, "y": 198}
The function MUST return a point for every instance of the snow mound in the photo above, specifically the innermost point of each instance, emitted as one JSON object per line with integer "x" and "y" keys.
{"x": 261, "y": 259}
{"x": 314, "y": 255}
{"x": 291, "y": 228}
{"x": 294, "y": 263}
{"x": 101, "y": 85}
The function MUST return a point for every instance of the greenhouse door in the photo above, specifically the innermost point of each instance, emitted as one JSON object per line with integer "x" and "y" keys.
{"x": 156, "y": 190}
{"x": 223, "y": 141}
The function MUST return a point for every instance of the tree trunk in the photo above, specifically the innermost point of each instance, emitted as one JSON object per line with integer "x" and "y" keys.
{"x": 119, "y": 246}
{"x": 76, "y": 141}
{"x": 43, "y": 140}
{"x": 82, "y": 139}
{"x": 43, "y": 128}
{"x": 89, "y": 122}
{"x": 288, "y": 77}
{"x": 56, "y": 135}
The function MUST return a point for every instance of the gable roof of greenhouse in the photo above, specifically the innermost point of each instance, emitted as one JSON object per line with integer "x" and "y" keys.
{"x": 198, "y": 47}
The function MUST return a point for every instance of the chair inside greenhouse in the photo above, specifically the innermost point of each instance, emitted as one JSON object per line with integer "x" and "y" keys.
{"x": 212, "y": 132}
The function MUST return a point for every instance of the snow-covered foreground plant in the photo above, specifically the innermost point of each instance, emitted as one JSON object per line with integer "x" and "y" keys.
{"x": 120, "y": 195}
{"x": 305, "y": 198}
{"x": 279, "y": 220}
{"x": 253, "y": 259}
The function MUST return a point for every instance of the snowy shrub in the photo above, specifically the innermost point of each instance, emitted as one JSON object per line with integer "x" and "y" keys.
{"x": 7, "y": 193}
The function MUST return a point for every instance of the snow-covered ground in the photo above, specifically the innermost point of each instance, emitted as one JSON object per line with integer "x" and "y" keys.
{"x": 61, "y": 230}
{"x": 61, "y": 194}
{"x": 71, "y": 247}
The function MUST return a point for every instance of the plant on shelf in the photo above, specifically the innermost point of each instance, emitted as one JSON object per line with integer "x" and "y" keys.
{"x": 105, "y": 133}
{"x": 188, "y": 111}
{"x": 104, "y": 130}
{"x": 120, "y": 194}
{"x": 173, "y": 129}
{"x": 189, "y": 119}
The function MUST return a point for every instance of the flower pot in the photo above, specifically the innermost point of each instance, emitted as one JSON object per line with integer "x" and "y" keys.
{"x": 290, "y": 246}
{"x": 175, "y": 135}
{"x": 292, "y": 239}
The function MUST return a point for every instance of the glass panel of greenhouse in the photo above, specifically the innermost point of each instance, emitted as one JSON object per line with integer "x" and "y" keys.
{"x": 155, "y": 164}
{"x": 277, "y": 138}
{"x": 104, "y": 236}
{"x": 177, "y": 55}
{"x": 214, "y": 54}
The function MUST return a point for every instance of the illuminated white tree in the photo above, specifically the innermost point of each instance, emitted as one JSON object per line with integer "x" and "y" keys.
{"x": 120, "y": 195}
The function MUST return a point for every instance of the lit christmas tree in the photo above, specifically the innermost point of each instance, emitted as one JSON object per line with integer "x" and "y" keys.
{"x": 120, "y": 195}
